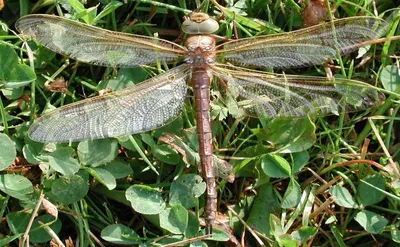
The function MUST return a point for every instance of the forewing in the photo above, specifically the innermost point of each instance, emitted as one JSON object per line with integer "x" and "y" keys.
{"x": 136, "y": 109}
{"x": 278, "y": 95}
{"x": 313, "y": 45}
{"x": 97, "y": 46}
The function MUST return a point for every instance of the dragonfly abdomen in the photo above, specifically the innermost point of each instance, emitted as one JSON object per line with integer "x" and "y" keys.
{"x": 201, "y": 86}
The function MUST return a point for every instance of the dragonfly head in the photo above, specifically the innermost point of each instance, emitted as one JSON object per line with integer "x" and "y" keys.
{"x": 199, "y": 23}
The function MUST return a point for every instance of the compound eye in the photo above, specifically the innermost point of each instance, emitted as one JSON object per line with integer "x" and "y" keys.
{"x": 199, "y": 23}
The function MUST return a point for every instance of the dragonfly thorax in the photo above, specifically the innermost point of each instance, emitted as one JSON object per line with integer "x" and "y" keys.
{"x": 201, "y": 50}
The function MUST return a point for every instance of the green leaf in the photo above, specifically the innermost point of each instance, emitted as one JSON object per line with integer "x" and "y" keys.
{"x": 169, "y": 240}
{"x": 13, "y": 93}
{"x": 330, "y": 220}
{"x": 120, "y": 234}
{"x": 390, "y": 78}
{"x": 371, "y": 222}
{"x": 125, "y": 77}
{"x": 16, "y": 186}
{"x": 97, "y": 152}
{"x": 292, "y": 195}
{"x": 245, "y": 168}
{"x": 118, "y": 168}
{"x": 395, "y": 233}
{"x": 304, "y": 233}
{"x": 265, "y": 203}
{"x": 275, "y": 166}
{"x": 13, "y": 74}
{"x": 87, "y": 15}
{"x": 300, "y": 159}
{"x": 127, "y": 143}
{"x": 174, "y": 127}
{"x": 104, "y": 177}
{"x": 217, "y": 235}
{"x": 276, "y": 226}
{"x": 7, "y": 151}
{"x": 110, "y": 7}
{"x": 368, "y": 190}
{"x": 62, "y": 161}
{"x": 40, "y": 235}
{"x": 193, "y": 226}
{"x": 76, "y": 6}
{"x": 18, "y": 222}
{"x": 7, "y": 116}
{"x": 32, "y": 152}
{"x": 186, "y": 189}
{"x": 218, "y": 110}
{"x": 342, "y": 197}
{"x": 148, "y": 139}
{"x": 287, "y": 241}
{"x": 165, "y": 154}
{"x": 248, "y": 22}
{"x": 198, "y": 244}
{"x": 338, "y": 235}
{"x": 289, "y": 136}
{"x": 69, "y": 189}
{"x": 144, "y": 199}
{"x": 175, "y": 219}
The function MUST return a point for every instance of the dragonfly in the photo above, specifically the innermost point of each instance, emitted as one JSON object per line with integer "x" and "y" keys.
{"x": 158, "y": 100}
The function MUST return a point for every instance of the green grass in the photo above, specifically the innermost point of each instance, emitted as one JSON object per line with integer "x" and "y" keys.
{"x": 335, "y": 184}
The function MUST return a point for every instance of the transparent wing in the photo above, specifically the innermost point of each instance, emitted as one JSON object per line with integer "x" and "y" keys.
{"x": 313, "y": 45}
{"x": 136, "y": 109}
{"x": 278, "y": 95}
{"x": 97, "y": 46}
